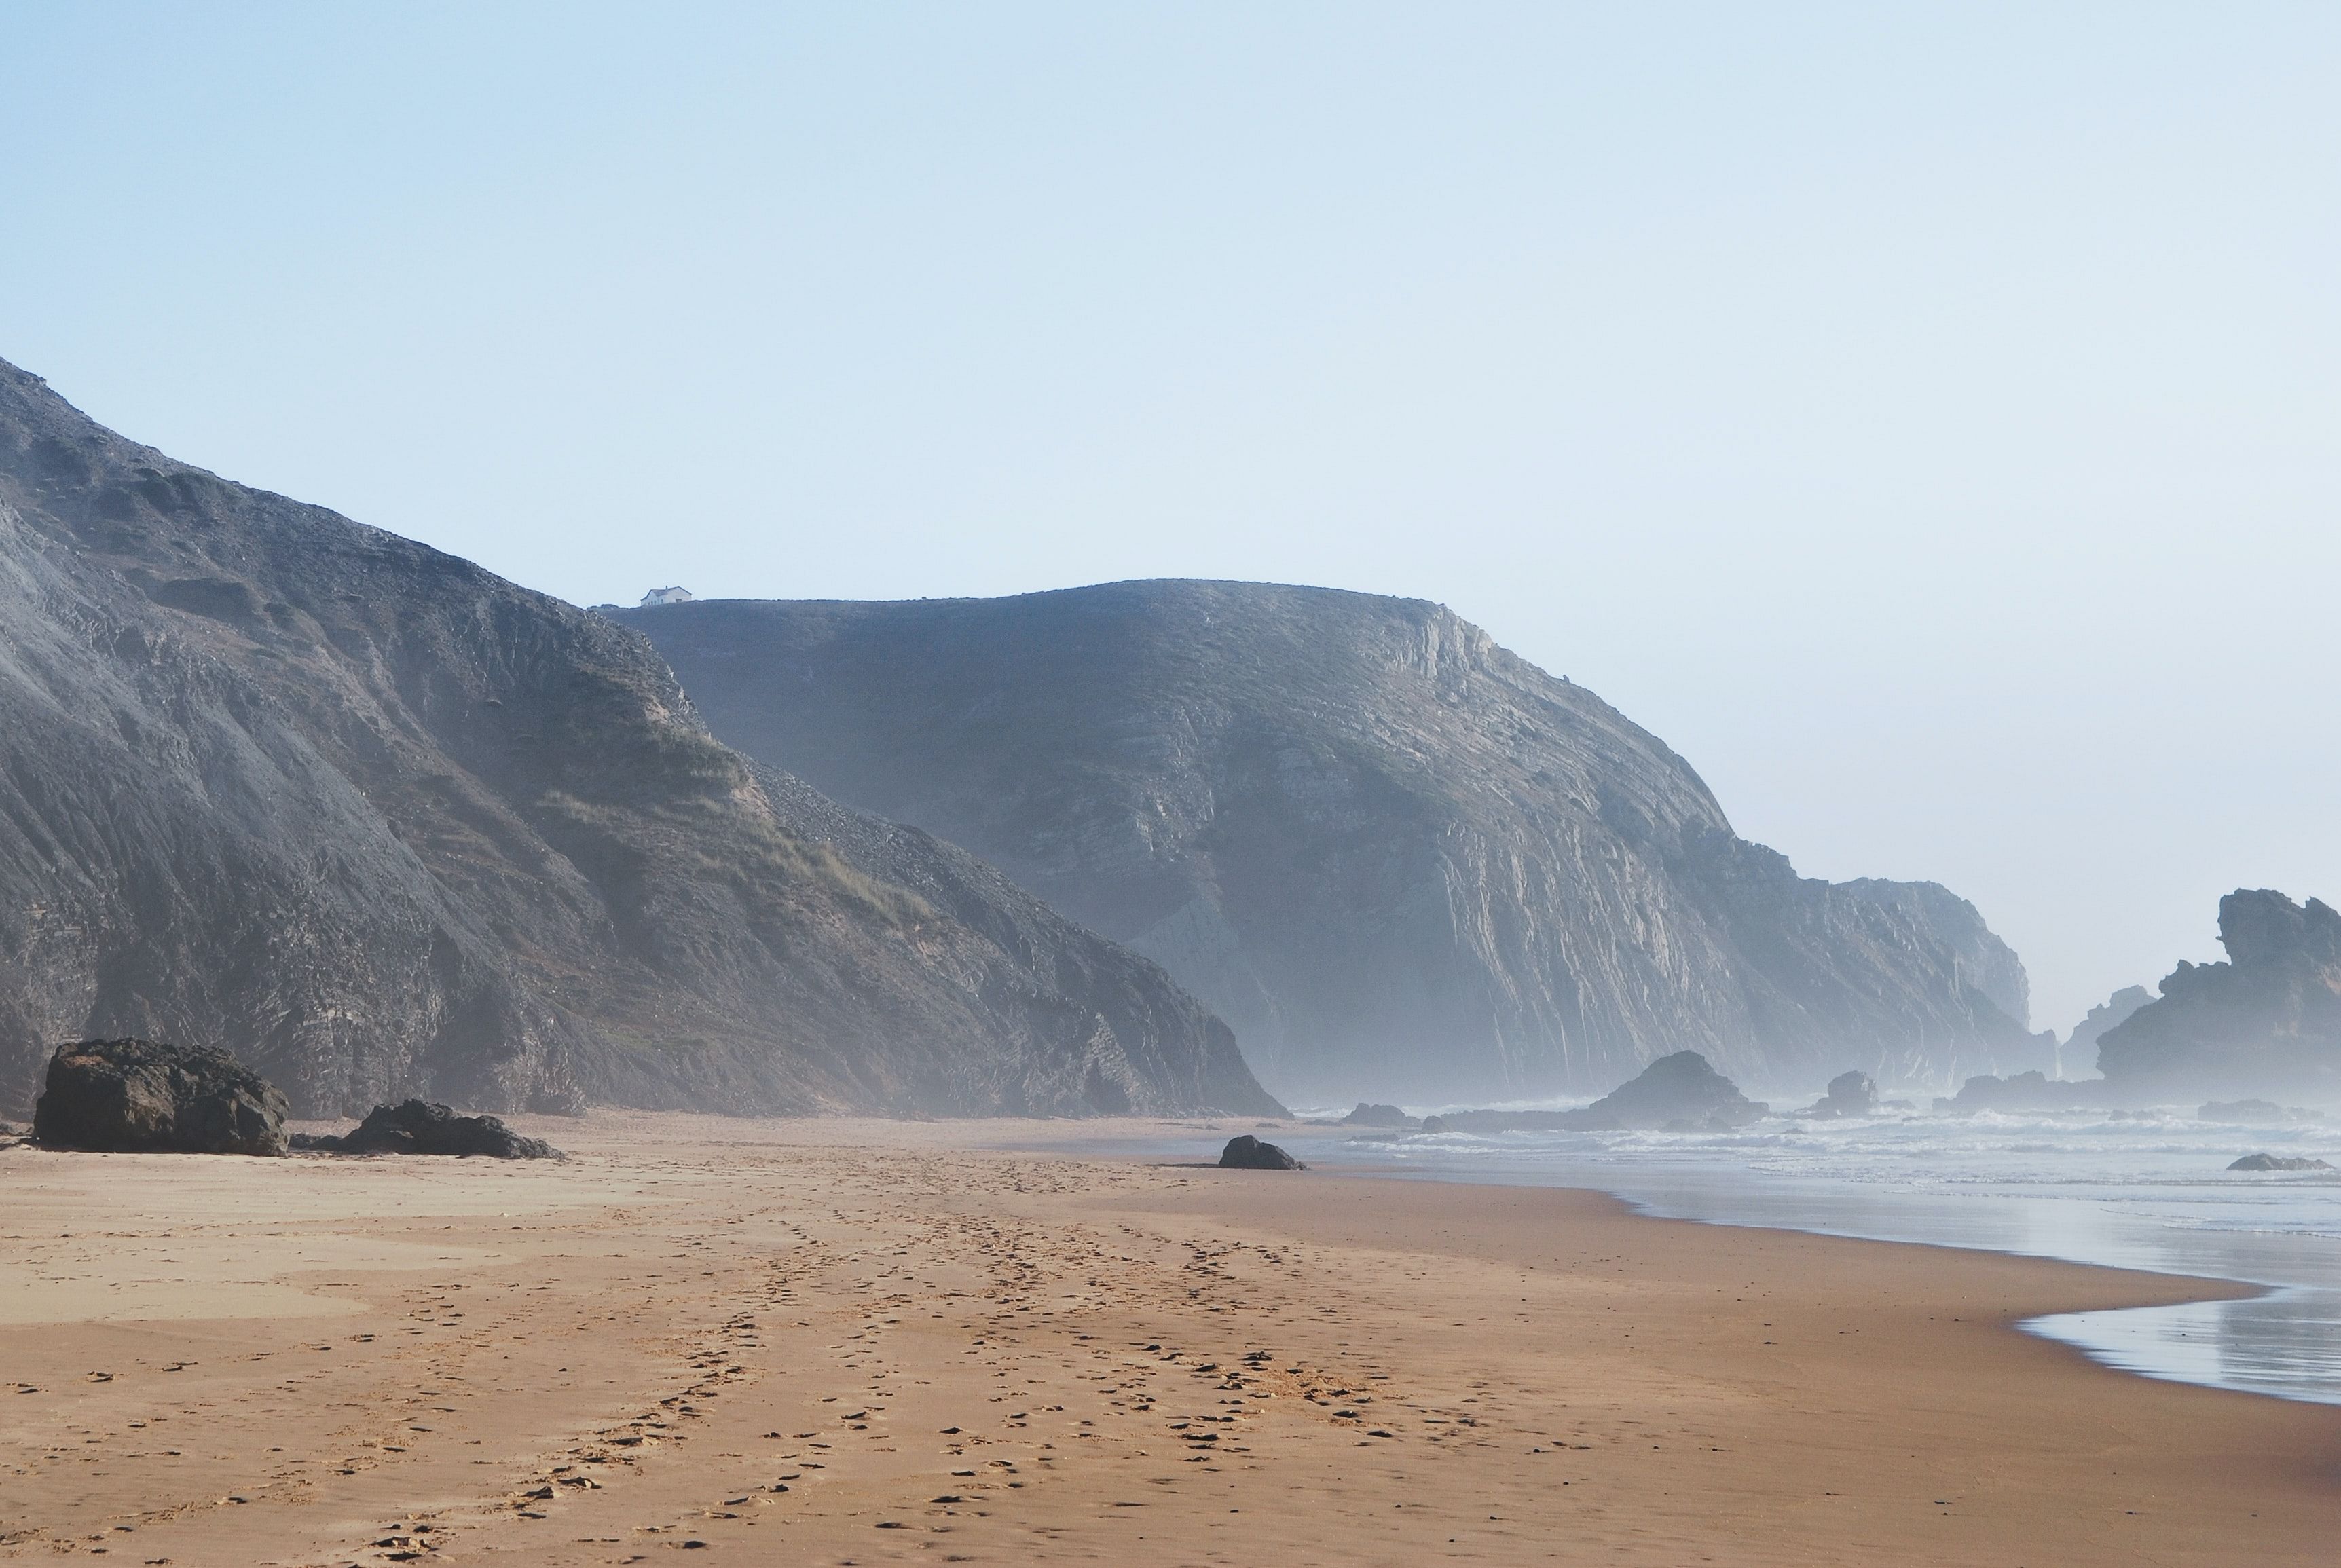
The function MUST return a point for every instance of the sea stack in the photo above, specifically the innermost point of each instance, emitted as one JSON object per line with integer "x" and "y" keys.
{"x": 2267, "y": 1022}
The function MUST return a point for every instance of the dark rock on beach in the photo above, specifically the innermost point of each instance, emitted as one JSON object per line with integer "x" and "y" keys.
{"x": 141, "y": 1097}
{"x": 420, "y": 1128}
{"x": 2279, "y": 1162}
{"x": 1246, "y": 1152}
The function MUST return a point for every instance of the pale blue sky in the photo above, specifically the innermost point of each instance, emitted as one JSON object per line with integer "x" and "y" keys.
{"x": 1928, "y": 419}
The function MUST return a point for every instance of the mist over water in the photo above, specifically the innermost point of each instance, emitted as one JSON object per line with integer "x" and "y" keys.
{"x": 2144, "y": 1190}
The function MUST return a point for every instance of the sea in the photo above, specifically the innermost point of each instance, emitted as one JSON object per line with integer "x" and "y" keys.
{"x": 2134, "y": 1190}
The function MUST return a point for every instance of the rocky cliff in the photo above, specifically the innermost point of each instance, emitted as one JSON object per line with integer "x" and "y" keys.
{"x": 2267, "y": 1021}
{"x": 2080, "y": 1047}
{"x": 1402, "y": 862}
{"x": 383, "y": 824}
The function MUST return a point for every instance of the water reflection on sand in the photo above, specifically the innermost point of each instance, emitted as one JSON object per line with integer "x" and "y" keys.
{"x": 2149, "y": 1196}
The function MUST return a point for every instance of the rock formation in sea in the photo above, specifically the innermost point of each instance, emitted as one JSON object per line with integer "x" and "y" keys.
{"x": 1681, "y": 1091}
{"x": 2030, "y": 1091}
{"x": 1849, "y": 1094}
{"x": 1678, "y": 1093}
{"x": 2265, "y": 1022}
{"x": 1401, "y": 860}
{"x": 387, "y": 825}
{"x": 2080, "y": 1048}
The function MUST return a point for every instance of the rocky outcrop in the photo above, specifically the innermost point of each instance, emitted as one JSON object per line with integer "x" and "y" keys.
{"x": 417, "y": 1127}
{"x": 1849, "y": 1094}
{"x": 141, "y": 1097}
{"x": 1677, "y": 1093}
{"x": 391, "y": 826}
{"x": 2027, "y": 1092}
{"x": 2080, "y": 1046}
{"x": 1367, "y": 1115}
{"x": 2115, "y": 1010}
{"x": 1402, "y": 862}
{"x": 1245, "y": 1152}
{"x": 2279, "y": 1162}
{"x": 2265, "y": 1022}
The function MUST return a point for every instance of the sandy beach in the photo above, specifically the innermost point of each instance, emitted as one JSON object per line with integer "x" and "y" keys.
{"x": 868, "y": 1342}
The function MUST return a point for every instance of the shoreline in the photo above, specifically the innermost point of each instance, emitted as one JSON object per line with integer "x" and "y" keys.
{"x": 2291, "y": 1275}
{"x": 934, "y": 1339}
{"x": 2217, "y": 1287}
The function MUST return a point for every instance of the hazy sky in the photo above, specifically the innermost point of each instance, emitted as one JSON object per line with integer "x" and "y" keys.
{"x": 1928, "y": 419}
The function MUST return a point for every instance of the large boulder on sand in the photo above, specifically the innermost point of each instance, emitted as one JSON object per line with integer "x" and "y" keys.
{"x": 418, "y": 1127}
{"x": 1680, "y": 1093}
{"x": 1248, "y": 1152}
{"x": 2033, "y": 1091}
{"x": 140, "y": 1097}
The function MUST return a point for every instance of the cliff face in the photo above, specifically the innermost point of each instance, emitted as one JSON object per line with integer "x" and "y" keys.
{"x": 1399, "y": 859}
{"x": 2267, "y": 1021}
{"x": 383, "y": 824}
{"x": 2081, "y": 1047}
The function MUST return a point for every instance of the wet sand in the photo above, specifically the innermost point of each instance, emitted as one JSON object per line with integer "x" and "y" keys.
{"x": 858, "y": 1341}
